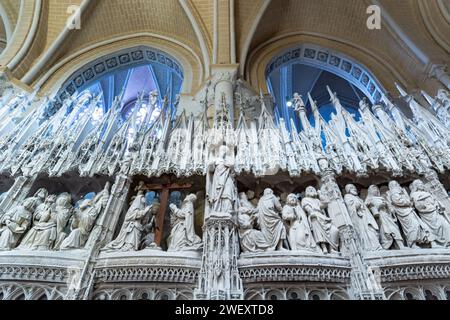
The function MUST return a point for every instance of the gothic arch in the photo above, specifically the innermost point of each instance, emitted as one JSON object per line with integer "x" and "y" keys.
{"x": 260, "y": 58}
{"x": 190, "y": 62}
{"x": 199, "y": 32}
{"x": 332, "y": 61}
{"x": 9, "y": 28}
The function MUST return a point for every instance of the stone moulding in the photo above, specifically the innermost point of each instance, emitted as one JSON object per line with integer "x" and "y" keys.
{"x": 148, "y": 266}
{"x": 280, "y": 267}
{"x": 404, "y": 265}
{"x": 35, "y": 266}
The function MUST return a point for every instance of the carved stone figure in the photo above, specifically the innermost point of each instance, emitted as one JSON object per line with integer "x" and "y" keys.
{"x": 362, "y": 218}
{"x": 221, "y": 191}
{"x": 15, "y": 223}
{"x": 148, "y": 241}
{"x": 251, "y": 240}
{"x": 129, "y": 238}
{"x": 84, "y": 220}
{"x": 182, "y": 235}
{"x": 325, "y": 233}
{"x": 389, "y": 230}
{"x": 269, "y": 218}
{"x": 431, "y": 213}
{"x": 62, "y": 212}
{"x": 300, "y": 235}
{"x": 43, "y": 233}
{"x": 415, "y": 230}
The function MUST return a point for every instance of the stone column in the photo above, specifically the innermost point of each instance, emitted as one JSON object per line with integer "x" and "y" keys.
{"x": 363, "y": 285}
{"x": 224, "y": 80}
{"x": 81, "y": 281}
{"x": 219, "y": 275}
{"x": 438, "y": 71}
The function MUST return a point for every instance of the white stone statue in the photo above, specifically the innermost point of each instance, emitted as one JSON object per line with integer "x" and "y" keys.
{"x": 415, "y": 230}
{"x": 389, "y": 231}
{"x": 300, "y": 234}
{"x": 269, "y": 218}
{"x": 43, "y": 233}
{"x": 431, "y": 213}
{"x": 365, "y": 224}
{"x": 84, "y": 219}
{"x": 148, "y": 241}
{"x": 15, "y": 222}
{"x": 182, "y": 235}
{"x": 40, "y": 196}
{"x": 251, "y": 240}
{"x": 221, "y": 191}
{"x": 325, "y": 233}
{"x": 62, "y": 213}
{"x": 129, "y": 238}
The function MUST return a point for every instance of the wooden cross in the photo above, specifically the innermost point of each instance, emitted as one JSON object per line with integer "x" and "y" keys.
{"x": 164, "y": 190}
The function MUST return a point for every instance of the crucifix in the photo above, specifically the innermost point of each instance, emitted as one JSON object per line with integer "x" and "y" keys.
{"x": 164, "y": 193}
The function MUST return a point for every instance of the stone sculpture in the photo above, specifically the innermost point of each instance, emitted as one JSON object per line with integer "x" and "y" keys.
{"x": 326, "y": 235}
{"x": 415, "y": 230}
{"x": 148, "y": 241}
{"x": 84, "y": 219}
{"x": 182, "y": 235}
{"x": 431, "y": 213}
{"x": 62, "y": 212}
{"x": 43, "y": 233}
{"x": 269, "y": 218}
{"x": 365, "y": 224}
{"x": 221, "y": 191}
{"x": 389, "y": 231}
{"x": 15, "y": 223}
{"x": 251, "y": 240}
{"x": 300, "y": 235}
{"x": 129, "y": 238}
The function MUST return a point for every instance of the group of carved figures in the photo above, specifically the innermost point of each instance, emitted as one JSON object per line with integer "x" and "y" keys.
{"x": 138, "y": 229}
{"x": 395, "y": 219}
{"x": 50, "y": 222}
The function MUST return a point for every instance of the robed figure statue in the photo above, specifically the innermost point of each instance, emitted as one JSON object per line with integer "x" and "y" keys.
{"x": 129, "y": 238}
{"x": 221, "y": 191}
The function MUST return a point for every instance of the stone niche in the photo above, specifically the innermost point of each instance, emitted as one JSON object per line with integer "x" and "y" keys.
{"x": 78, "y": 187}
{"x": 177, "y": 188}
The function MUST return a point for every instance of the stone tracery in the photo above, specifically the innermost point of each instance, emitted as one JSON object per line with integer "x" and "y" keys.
{"x": 259, "y": 202}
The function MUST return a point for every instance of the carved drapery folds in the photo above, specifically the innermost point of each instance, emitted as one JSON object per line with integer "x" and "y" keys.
{"x": 346, "y": 223}
{"x": 51, "y": 222}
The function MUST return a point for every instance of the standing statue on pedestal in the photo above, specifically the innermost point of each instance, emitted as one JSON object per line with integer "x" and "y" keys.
{"x": 15, "y": 222}
{"x": 364, "y": 222}
{"x": 269, "y": 218}
{"x": 431, "y": 213}
{"x": 182, "y": 235}
{"x": 251, "y": 240}
{"x": 300, "y": 235}
{"x": 84, "y": 220}
{"x": 415, "y": 230}
{"x": 43, "y": 233}
{"x": 325, "y": 233}
{"x": 389, "y": 230}
{"x": 221, "y": 191}
{"x": 129, "y": 238}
